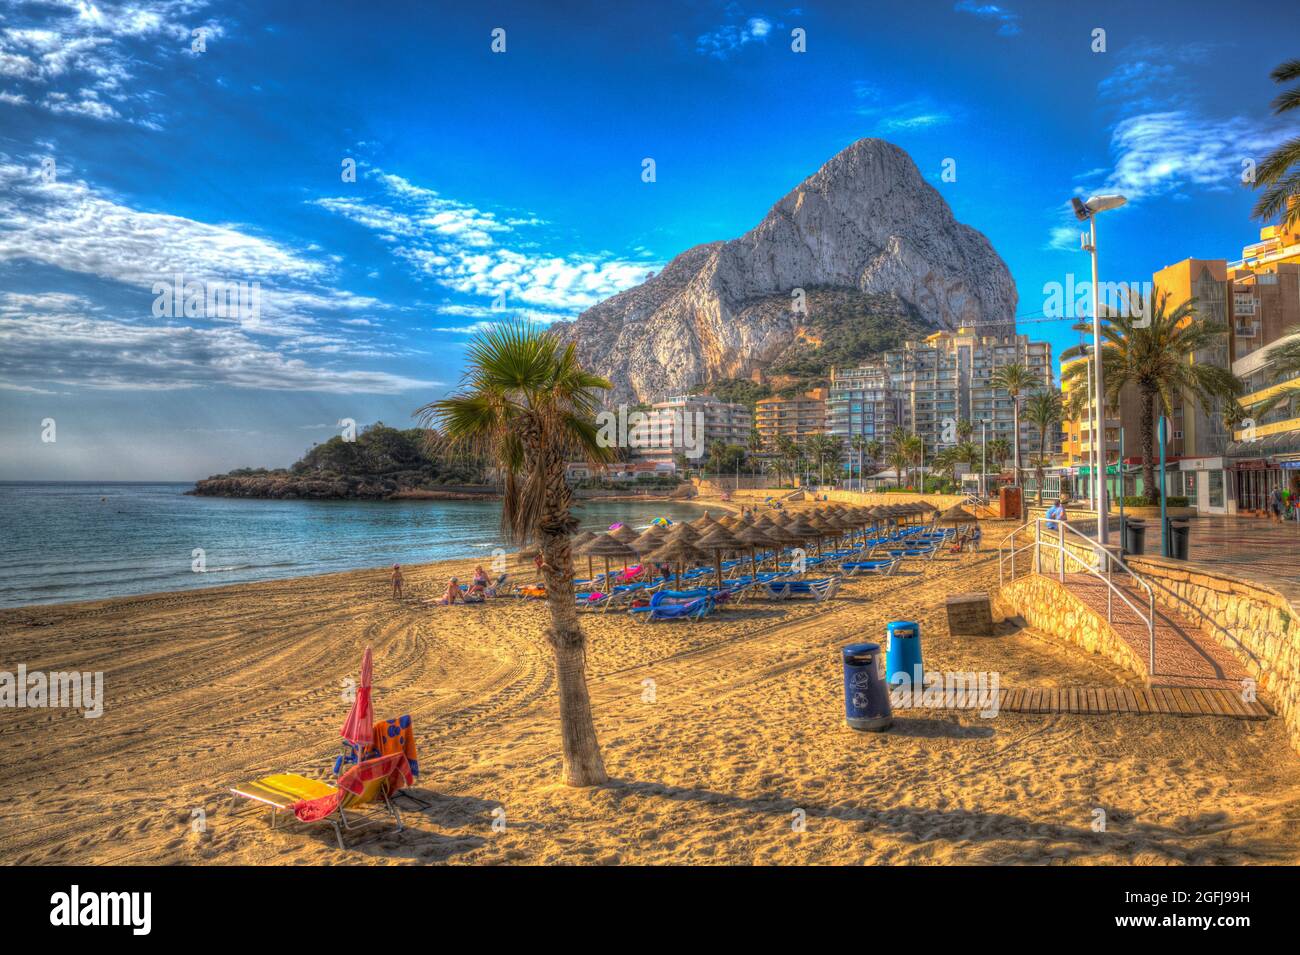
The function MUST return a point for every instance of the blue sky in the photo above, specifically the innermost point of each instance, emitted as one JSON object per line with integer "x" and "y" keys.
{"x": 128, "y": 156}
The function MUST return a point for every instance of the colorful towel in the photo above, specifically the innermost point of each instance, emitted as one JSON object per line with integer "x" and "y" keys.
{"x": 394, "y": 768}
{"x": 398, "y": 736}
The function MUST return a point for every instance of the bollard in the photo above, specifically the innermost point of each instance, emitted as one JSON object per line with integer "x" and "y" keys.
{"x": 866, "y": 701}
{"x": 903, "y": 638}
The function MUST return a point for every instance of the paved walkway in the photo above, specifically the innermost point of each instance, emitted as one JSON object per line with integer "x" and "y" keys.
{"x": 1185, "y": 656}
{"x": 1249, "y": 547}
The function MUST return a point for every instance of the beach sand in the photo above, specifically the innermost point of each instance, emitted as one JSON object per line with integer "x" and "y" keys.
{"x": 743, "y": 739}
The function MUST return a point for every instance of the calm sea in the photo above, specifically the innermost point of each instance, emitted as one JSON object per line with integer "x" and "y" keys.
{"x": 73, "y": 541}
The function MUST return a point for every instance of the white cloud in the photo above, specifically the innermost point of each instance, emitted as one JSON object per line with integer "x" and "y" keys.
{"x": 723, "y": 41}
{"x": 461, "y": 247}
{"x": 84, "y": 53}
{"x": 1008, "y": 21}
{"x": 56, "y": 338}
{"x": 69, "y": 225}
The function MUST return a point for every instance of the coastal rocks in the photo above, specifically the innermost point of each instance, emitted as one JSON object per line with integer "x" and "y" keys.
{"x": 287, "y": 486}
{"x": 867, "y": 223}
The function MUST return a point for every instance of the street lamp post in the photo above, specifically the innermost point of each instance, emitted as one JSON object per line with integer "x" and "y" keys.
{"x": 1087, "y": 212}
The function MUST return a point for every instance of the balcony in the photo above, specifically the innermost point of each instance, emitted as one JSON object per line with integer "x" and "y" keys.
{"x": 1246, "y": 329}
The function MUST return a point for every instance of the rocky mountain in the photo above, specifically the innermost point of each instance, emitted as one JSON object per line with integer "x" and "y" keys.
{"x": 866, "y": 229}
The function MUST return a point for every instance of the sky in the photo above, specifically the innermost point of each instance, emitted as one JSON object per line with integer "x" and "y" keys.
{"x": 147, "y": 146}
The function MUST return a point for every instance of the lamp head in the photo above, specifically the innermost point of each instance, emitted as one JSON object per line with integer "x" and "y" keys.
{"x": 1104, "y": 203}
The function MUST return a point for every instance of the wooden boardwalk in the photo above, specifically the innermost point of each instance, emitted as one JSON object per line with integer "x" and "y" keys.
{"x": 1111, "y": 701}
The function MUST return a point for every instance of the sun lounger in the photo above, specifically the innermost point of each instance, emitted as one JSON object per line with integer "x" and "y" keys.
{"x": 666, "y": 605}
{"x": 884, "y": 567}
{"x": 351, "y": 805}
{"x": 818, "y": 590}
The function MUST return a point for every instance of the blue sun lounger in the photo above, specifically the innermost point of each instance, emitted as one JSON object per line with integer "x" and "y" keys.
{"x": 882, "y": 566}
{"x": 818, "y": 590}
{"x": 671, "y": 605}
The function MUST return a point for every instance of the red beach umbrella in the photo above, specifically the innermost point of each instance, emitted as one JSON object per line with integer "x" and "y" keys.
{"x": 360, "y": 726}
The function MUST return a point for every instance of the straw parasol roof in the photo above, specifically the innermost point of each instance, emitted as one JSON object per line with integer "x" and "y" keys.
{"x": 649, "y": 539}
{"x": 957, "y": 515}
{"x": 678, "y": 551}
{"x": 682, "y": 531}
{"x": 625, "y": 534}
{"x": 581, "y": 539}
{"x": 606, "y": 545}
{"x": 716, "y": 541}
{"x": 755, "y": 538}
{"x": 704, "y": 522}
{"x": 800, "y": 530}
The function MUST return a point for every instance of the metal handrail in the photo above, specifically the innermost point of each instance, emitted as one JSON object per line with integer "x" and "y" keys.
{"x": 1106, "y": 560}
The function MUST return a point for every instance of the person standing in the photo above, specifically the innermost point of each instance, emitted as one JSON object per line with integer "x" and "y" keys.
{"x": 397, "y": 580}
{"x": 1057, "y": 513}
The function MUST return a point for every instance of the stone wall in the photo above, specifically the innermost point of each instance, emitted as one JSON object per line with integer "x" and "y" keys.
{"x": 1255, "y": 622}
{"x": 1048, "y": 606}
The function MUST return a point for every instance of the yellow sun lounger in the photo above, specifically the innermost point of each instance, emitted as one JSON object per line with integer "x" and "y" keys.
{"x": 310, "y": 800}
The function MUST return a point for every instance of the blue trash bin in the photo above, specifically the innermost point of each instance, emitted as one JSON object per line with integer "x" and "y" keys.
{"x": 866, "y": 699}
{"x": 904, "y": 654}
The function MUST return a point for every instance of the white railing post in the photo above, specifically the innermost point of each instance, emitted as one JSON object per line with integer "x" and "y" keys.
{"x": 1038, "y": 547}
{"x": 1060, "y": 530}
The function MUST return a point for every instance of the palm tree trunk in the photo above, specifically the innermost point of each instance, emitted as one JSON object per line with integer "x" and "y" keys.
{"x": 583, "y": 765}
{"x": 1149, "y": 445}
{"x": 1042, "y": 453}
{"x": 1015, "y": 438}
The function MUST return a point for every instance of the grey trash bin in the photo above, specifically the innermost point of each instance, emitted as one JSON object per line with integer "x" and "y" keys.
{"x": 1135, "y": 536}
{"x": 1179, "y": 534}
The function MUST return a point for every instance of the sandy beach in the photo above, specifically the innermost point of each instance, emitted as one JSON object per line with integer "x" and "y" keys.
{"x": 744, "y": 737}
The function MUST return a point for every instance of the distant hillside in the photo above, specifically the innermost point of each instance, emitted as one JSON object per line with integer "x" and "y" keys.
{"x": 381, "y": 463}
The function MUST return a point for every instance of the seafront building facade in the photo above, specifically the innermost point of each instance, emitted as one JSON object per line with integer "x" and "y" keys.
{"x": 947, "y": 378}
{"x": 928, "y": 387}
{"x": 686, "y": 425}
{"x": 1265, "y": 448}
{"x": 795, "y": 418}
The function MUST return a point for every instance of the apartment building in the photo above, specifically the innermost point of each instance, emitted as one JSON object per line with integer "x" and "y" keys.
{"x": 1265, "y": 309}
{"x": 861, "y": 403}
{"x": 947, "y": 378}
{"x": 795, "y": 418}
{"x": 687, "y": 425}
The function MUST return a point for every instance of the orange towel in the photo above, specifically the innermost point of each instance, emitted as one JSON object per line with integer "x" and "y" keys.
{"x": 398, "y": 736}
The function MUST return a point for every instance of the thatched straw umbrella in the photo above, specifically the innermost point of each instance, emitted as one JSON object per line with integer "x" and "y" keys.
{"x": 957, "y": 515}
{"x": 682, "y": 531}
{"x": 650, "y": 539}
{"x": 821, "y": 526}
{"x": 679, "y": 551}
{"x": 755, "y": 538}
{"x": 704, "y": 523}
{"x": 607, "y": 546}
{"x": 625, "y": 534}
{"x": 715, "y": 542}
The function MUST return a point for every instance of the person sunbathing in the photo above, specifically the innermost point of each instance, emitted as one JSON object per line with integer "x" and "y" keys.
{"x": 481, "y": 577}
{"x": 477, "y": 592}
{"x": 453, "y": 593}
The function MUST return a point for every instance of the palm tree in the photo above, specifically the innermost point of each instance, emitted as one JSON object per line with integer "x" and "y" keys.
{"x": 1044, "y": 411}
{"x": 1014, "y": 379}
{"x": 899, "y": 459}
{"x": 1158, "y": 360}
{"x": 526, "y": 402}
{"x": 859, "y": 445}
{"x": 914, "y": 446}
{"x": 999, "y": 449}
{"x": 875, "y": 452}
{"x": 964, "y": 430}
{"x": 1280, "y": 170}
